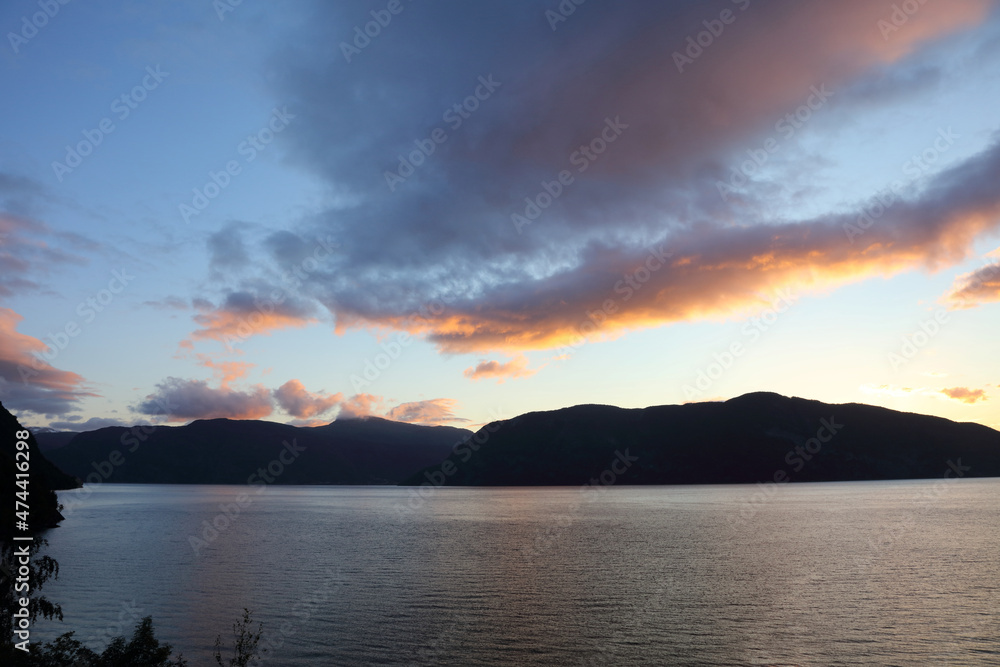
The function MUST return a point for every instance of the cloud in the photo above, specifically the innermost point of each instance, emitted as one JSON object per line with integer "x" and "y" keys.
{"x": 517, "y": 367}
{"x": 433, "y": 412}
{"x": 261, "y": 284}
{"x": 168, "y": 303}
{"x": 91, "y": 424}
{"x": 965, "y": 394}
{"x": 244, "y": 314}
{"x": 225, "y": 371}
{"x": 27, "y": 381}
{"x": 293, "y": 398}
{"x": 975, "y": 288}
{"x": 308, "y": 423}
{"x": 227, "y": 250}
{"x": 27, "y": 253}
{"x": 20, "y": 195}
{"x": 640, "y": 238}
{"x": 361, "y": 405}
{"x": 181, "y": 400}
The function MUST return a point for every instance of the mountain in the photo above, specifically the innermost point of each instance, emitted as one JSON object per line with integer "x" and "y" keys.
{"x": 224, "y": 451}
{"x": 759, "y": 437}
{"x": 49, "y": 439}
{"x": 42, "y": 482}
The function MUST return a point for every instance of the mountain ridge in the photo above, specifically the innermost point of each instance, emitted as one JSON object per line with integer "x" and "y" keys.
{"x": 756, "y": 437}
{"x": 228, "y": 451}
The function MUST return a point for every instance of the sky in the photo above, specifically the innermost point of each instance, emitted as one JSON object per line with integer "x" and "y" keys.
{"x": 453, "y": 212}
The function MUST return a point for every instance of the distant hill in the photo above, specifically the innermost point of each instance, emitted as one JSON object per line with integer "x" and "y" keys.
{"x": 759, "y": 437}
{"x": 49, "y": 439}
{"x": 224, "y": 451}
{"x": 44, "y": 479}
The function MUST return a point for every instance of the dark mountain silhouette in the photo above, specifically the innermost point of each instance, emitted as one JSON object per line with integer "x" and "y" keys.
{"x": 759, "y": 437}
{"x": 44, "y": 479}
{"x": 224, "y": 451}
{"x": 49, "y": 439}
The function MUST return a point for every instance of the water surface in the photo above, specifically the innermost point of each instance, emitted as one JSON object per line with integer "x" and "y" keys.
{"x": 869, "y": 573}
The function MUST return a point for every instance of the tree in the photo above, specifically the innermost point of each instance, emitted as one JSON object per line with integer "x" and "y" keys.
{"x": 245, "y": 647}
{"x": 144, "y": 650}
{"x": 39, "y": 571}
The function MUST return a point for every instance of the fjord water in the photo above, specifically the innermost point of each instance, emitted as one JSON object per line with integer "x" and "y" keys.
{"x": 864, "y": 573}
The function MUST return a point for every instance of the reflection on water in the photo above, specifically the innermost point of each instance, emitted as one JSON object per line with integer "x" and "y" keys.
{"x": 819, "y": 574}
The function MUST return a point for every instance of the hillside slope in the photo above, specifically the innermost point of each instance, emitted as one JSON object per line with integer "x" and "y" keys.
{"x": 757, "y": 437}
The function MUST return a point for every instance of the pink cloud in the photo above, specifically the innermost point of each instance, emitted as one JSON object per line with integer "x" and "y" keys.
{"x": 515, "y": 368}
{"x": 965, "y": 395}
{"x": 298, "y": 402}
{"x": 225, "y": 371}
{"x": 27, "y": 381}
{"x": 433, "y": 412}
{"x": 361, "y": 405}
{"x": 975, "y": 288}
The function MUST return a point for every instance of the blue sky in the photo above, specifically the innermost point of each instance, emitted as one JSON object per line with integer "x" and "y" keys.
{"x": 202, "y": 322}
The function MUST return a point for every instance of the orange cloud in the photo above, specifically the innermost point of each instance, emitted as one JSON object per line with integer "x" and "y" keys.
{"x": 298, "y": 402}
{"x": 225, "y": 371}
{"x": 975, "y": 288}
{"x": 716, "y": 272}
{"x": 433, "y": 412}
{"x": 27, "y": 380}
{"x": 517, "y": 367}
{"x": 234, "y": 326}
{"x": 965, "y": 395}
{"x": 713, "y": 270}
{"x": 361, "y": 405}
{"x": 580, "y": 271}
{"x": 243, "y": 314}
